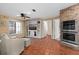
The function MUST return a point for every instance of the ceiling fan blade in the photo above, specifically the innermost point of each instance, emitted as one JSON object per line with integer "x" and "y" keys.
{"x": 24, "y": 15}
{"x": 27, "y": 17}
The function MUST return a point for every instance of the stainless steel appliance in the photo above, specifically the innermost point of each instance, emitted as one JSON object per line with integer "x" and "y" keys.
{"x": 70, "y": 37}
{"x": 70, "y": 25}
{"x": 70, "y": 31}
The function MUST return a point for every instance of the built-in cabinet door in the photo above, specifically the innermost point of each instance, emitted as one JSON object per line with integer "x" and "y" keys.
{"x": 32, "y": 33}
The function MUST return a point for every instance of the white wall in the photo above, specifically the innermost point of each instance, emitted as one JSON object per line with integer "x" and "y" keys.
{"x": 56, "y": 29}
{"x": 46, "y": 27}
{"x": 49, "y": 32}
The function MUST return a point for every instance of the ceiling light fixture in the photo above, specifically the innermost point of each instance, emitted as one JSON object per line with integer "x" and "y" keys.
{"x": 33, "y": 10}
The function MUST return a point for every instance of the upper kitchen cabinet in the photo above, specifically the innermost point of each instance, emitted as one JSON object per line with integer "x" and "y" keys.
{"x": 70, "y": 13}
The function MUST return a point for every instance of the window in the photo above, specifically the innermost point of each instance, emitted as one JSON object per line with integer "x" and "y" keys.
{"x": 14, "y": 27}
{"x": 18, "y": 27}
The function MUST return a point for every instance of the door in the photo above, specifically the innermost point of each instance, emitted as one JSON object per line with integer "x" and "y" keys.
{"x": 56, "y": 29}
{"x": 31, "y": 33}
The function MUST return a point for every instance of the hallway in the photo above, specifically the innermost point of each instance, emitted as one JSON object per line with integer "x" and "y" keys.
{"x": 48, "y": 46}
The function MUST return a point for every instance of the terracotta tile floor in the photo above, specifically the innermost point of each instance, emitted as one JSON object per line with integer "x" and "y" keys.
{"x": 48, "y": 46}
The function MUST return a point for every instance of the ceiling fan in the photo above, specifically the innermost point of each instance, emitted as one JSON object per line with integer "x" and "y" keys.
{"x": 24, "y": 16}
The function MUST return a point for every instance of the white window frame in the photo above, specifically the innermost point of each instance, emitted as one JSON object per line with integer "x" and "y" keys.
{"x": 18, "y": 28}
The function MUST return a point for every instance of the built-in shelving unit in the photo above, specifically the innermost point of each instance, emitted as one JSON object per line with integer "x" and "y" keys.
{"x": 34, "y": 28}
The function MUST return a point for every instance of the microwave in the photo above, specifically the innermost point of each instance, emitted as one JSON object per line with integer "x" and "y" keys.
{"x": 69, "y": 25}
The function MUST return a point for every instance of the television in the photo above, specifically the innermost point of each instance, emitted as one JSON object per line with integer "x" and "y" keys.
{"x": 33, "y": 28}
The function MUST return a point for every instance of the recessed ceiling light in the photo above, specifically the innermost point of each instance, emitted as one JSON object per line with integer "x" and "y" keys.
{"x": 33, "y": 10}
